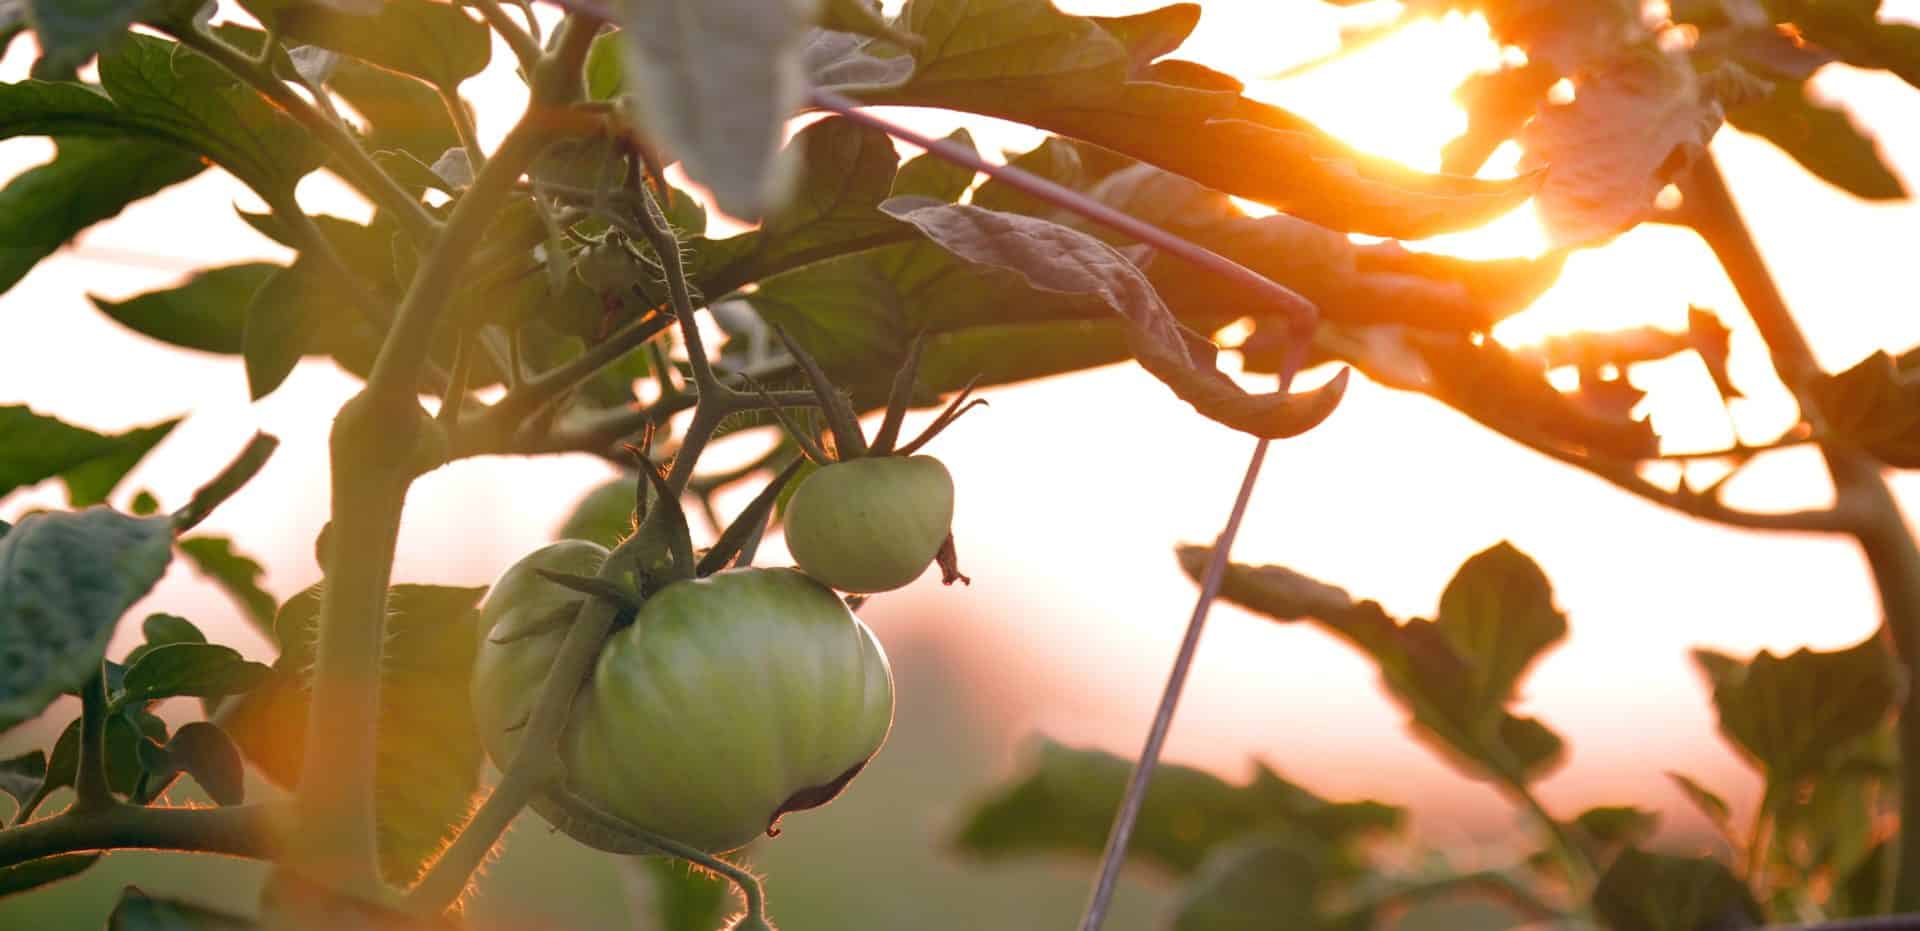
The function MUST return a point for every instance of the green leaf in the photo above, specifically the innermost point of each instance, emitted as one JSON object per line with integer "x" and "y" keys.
{"x": 403, "y": 115}
{"x": 127, "y": 733}
{"x": 236, "y": 573}
{"x": 203, "y": 670}
{"x": 20, "y": 776}
{"x": 162, "y": 630}
{"x": 34, "y": 874}
{"x": 929, "y": 175}
{"x": 1657, "y": 892}
{"x": 204, "y": 751}
{"x": 1853, "y": 31}
{"x": 207, "y": 312}
{"x": 604, "y": 515}
{"x": 88, "y": 180}
{"x": 435, "y": 42}
{"x": 1064, "y": 804}
{"x": 1023, "y": 60}
{"x": 1617, "y": 825}
{"x": 1263, "y": 882}
{"x": 1795, "y": 716}
{"x": 1709, "y": 802}
{"x": 1823, "y": 139}
{"x": 70, "y": 32}
{"x": 428, "y": 766}
{"x": 1637, "y": 124}
{"x": 301, "y": 310}
{"x": 155, "y": 91}
{"x": 1458, "y": 674}
{"x": 65, "y": 579}
{"x": 139, "y": 912}
{"x": 1054, "y": 258}
{"x": 1875, "y": 406}
{"x": 35, "y": 447}
{"x": 715, "y": 81}
{"x": 606, "y": 75}
{"x": 1498, "y": 104}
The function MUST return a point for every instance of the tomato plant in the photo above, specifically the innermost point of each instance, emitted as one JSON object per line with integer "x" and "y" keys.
{"x": 557, "y": 292}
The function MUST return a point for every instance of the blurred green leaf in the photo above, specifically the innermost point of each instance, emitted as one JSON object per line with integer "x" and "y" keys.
{"x": 1823, "y": 139}
{"x": 1874, "y": 405}
{"x": 1853, "y": 31}
{"x": 1260, "y": 883}
{"x": 21, "y": 775}
{"x": 70, "y": 32}
{"x": 33, "y": 874}
{"x": 1709, "y": 802}
{"x": 65, "y": 579}
{"x": 236, "y": 573}
{"x": 1795, "y": 716}
{"x": 1657, "y": 892}
{"x": 1458, "y": 674}
{"x": 1498, "y": 104}
{"x": 435, "y": 42}
{"x": 604, "y": 515}
{"x": 203, "y": 670}
{"x": 1064, "y": 804}
{"x": 204, "y": 751}
{"x": 402, "y": 115}
{"x": 90, "y": 179}
{"x": 684, "y": 899}
{"x": 428, "y": 766}
{"x": 929, "y": 175}
{"x": 206, "y": 312}
{"x": 137, "y": 911}
{"x": 35, "y": 447}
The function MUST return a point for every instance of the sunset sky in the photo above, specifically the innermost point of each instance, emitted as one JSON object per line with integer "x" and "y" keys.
{"x": 1067, "y": 528}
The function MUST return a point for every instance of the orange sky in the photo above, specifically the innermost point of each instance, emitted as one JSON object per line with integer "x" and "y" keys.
{"x": 1067, "y": 530}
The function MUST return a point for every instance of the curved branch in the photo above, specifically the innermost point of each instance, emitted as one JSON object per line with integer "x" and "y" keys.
{"x": 242, "y": 831}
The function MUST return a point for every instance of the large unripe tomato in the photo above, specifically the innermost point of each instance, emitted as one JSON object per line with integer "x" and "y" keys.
{"x": 871, "y": 525}
{"x": 729, "y": 701}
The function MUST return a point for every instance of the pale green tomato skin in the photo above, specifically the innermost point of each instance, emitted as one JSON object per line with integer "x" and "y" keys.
{"x": 507, "y": 675}
{"x": 871, "y": 525}
{"x": 726, "y": 699}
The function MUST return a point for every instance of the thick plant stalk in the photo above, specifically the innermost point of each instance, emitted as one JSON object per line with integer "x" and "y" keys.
{"x": 1123, "y": 820}
{"x": 1860, "y": 490}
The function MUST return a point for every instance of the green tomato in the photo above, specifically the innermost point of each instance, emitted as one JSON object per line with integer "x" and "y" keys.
{"x": 871, "y": 525}
{"x": 730, "y": 701}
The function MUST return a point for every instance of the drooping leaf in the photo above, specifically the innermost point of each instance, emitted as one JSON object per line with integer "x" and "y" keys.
{"x": 1064, "y": 804}
{"x": 1795, "y": 716}
{"x": 33, "y": 874}
{"x": 202, "y": 670}
{"x": 435, "y": 42}
{"x": 204, "y": 751}
{"x": 1456, "y": 675}
{"x": 1874, "y": 405}
{"x": 714, "y": 81}
{"x": 137, "y": 911}
{"x": 88, "y": 180}
{"x": 428, "y": 766}
{"x": 1264, "y": 882}
{"x": 35, "y": 447}
{"x": 236, "y": 573}
{"x": 1023, "y": 60}
{"x": 1643, "y": 891}
{"x": 65, "y": 579}
{"x": 20, "y": 776}
{"x": 1822, "y": 138}
{"x": 182, "y": 99}
{"x": 1051, "y": 257}
{"x": 207, "y": 312}
{"x": 1636, "y": 125}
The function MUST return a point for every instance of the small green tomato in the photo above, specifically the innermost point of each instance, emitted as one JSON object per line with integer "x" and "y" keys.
{"x": 730, "y": 701}
{"x": 872, "y": 524}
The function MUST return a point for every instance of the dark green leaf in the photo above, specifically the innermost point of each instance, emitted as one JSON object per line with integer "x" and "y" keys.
{"x": 715, "y": 81}
{"x": 1617, "y": 825}
{"x": 1708, "y": 801}
{"x": 207, "y": 312}
{"x": 435, "y": 42}
{"x": 1853, "y": 31}
{"x": 34, "y": 447}
{"x": 428, "y": 767}
{"x": 1065, "y": 802}
{"x": 1023, "y": 60}
{"x": 236, "y": 573}
{"x": 139, "y": 912}
{"x": 127, "y": 733}
{"x": 205, "y": 752}
{"x": 161, "y": 630}
{"x": 929, "y": 175}
{"x": 1876, "y": 406}
{"x": 65, "y": 579}
{"x": 183, "y": 99}
{"x": 33, "y": 874}
{"x": 72, "y": 31}
{"x": 1795, "y": 716}
{"x": 299, "y": 311}
{"x": 1656, "y": 892}
{"x": 88, "y": 180}
{"x": 1457, "y": 675}
{"x": 1263, "y": 882}
{"x": 1823, "y": 139}
{"x": 1052, "y": 258}
{"x": 202, "y": 670}
{"x": 20, "y": 776}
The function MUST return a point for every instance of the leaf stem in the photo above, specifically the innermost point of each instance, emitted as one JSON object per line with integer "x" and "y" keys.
{"x": 1129, "y": 811}
{"x": 1860, "y": 488}
{"x": 523, "y": 45}
{"x": 355, "y": 165}
{"x": 463, "y": 126}
{"x": 253, "y": 457}
{"x": 539, "y": 391}
{"x": 92, "y": 790}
